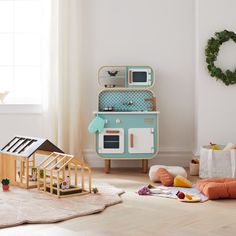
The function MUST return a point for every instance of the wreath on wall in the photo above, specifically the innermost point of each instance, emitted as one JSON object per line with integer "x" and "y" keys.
{"x": 213, "y": 46}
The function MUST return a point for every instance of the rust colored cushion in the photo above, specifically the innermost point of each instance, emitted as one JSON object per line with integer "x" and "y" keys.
{"x": 165, "y": 177}
{"x": 216, "y": 188}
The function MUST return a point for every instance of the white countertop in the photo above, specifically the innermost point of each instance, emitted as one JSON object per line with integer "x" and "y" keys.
{"x": 126, "y": 112}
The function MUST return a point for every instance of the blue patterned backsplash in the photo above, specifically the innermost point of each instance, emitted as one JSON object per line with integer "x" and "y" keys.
{"x": 118, "y": 100}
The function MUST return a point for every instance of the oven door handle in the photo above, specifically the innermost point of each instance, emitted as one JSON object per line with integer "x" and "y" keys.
{"x": 131, "y": 140}
{"x": 112, "y": 131}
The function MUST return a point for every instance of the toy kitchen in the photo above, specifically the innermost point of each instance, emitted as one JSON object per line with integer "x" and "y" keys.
{"x": 126, "y": 125}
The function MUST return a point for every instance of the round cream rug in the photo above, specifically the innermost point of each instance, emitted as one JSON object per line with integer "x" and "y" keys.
{"x": 19, "y": 206}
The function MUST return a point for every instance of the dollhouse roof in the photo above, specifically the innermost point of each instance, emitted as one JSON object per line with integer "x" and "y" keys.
{"x": 26, "y": 146}
{"x": 57, "y": 161}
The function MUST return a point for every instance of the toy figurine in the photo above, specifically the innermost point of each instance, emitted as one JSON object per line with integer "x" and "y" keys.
{"x": 66, "y": 183}
{"x": 33, "y": 177}
{"x": 63, "y": 185}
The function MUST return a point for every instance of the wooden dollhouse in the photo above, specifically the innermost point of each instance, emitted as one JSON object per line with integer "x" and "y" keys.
{"x": 63, "y": 175}
{"x": 18, "y": 160}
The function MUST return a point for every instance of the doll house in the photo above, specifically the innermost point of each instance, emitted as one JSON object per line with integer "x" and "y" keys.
{"x": 18, "y": 159}
{"x": 127, "y": 107}
{"x": 63, "y": 175}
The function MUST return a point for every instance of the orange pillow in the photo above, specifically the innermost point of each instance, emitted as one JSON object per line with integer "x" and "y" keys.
{"x": 216, "y": 188}
{"x": 165, "y": 177}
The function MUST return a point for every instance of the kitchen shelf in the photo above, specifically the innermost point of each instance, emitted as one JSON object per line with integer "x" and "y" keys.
{"x": 126, "y": 112}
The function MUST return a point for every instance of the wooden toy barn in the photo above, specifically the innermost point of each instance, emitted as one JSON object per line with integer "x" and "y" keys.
{"x": 63, "y": 175}
{"x": 18, "y": 160}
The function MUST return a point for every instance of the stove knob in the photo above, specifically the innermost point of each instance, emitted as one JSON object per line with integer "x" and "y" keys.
{"x": 118, "y": 121}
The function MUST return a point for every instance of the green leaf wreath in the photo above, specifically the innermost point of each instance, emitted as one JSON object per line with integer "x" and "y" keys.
{"x": 228, "y": 77}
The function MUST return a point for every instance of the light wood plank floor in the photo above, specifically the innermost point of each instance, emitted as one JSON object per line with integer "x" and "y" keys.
{"x": 142, "y": 215}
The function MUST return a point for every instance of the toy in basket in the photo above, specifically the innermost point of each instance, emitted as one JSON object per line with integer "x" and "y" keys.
{"x": 194, "y": 167}
{"x": 217, "y": 161}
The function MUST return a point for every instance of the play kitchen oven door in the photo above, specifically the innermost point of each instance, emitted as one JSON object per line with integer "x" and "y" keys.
{"x": 139, "y": 76}
{"x": 111, "y": 140}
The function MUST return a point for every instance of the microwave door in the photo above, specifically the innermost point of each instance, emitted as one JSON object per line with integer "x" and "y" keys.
{"x": 139, "y": 77}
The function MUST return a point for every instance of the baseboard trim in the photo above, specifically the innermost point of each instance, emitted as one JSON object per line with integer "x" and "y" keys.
{"x": 166, "y": 156}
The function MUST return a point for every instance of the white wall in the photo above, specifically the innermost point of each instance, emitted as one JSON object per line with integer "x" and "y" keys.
{"x": 215, "y": 102}
{"x": 159, "y": 33}
{"x": 21, "y": 122}
{"x": 170, "y": 43}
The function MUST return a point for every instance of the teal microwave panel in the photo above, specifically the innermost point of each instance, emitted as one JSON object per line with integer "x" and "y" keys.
{"x": 126, "y": 76}
{"x": 139, "y": 77}
{"x": 128, "y": 135}
{"x": 125, "y": 100}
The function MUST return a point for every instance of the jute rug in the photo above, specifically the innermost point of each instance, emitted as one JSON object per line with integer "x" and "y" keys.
{"x": 19, "y": 206}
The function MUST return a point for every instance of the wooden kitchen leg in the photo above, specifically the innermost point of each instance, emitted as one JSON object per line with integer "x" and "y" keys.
{"x": 107, "y": 166}
{"x": 145, "y": 166}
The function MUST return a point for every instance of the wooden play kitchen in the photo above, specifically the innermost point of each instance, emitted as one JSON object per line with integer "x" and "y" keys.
{"x": 130, "y": 130}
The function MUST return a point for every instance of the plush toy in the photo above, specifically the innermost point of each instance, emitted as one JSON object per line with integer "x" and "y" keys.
{"x": 165, "y": 177}
{"x": 216, "y": 188}
{"x": 144, "y": 191}
{"x": 180, "y": 195}
{"x": 186, "y": 197}
{"x": 173, "y": 170}
{"x": 180, "y": 181}
{"x": 230, "y": 146}
{"x": 214, "y": 146}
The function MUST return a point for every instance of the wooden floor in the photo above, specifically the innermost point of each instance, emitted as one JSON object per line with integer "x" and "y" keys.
{"x": 142, "y": 215}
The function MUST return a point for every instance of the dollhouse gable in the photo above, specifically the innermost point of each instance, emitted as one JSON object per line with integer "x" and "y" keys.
{"x": 27, "y": 146}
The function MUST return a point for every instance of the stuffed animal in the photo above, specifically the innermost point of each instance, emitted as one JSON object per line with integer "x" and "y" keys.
{"x": 230, "y": 146}
{"x": 165, "y": 177}
{"x": 214, "y": 146}
{"x": 180, "y": 181}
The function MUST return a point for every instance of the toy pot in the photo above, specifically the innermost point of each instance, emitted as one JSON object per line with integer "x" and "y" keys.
{"x": 5, "y": 187}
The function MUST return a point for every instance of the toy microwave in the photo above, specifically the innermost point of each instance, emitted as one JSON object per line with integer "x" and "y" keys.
{"x": 139, "y": 76}
{"x": 126, "y": 76}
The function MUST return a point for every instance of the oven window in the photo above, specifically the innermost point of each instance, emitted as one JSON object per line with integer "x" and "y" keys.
{"x": 111, "y": 142}
{"x": 139, "y": 77}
